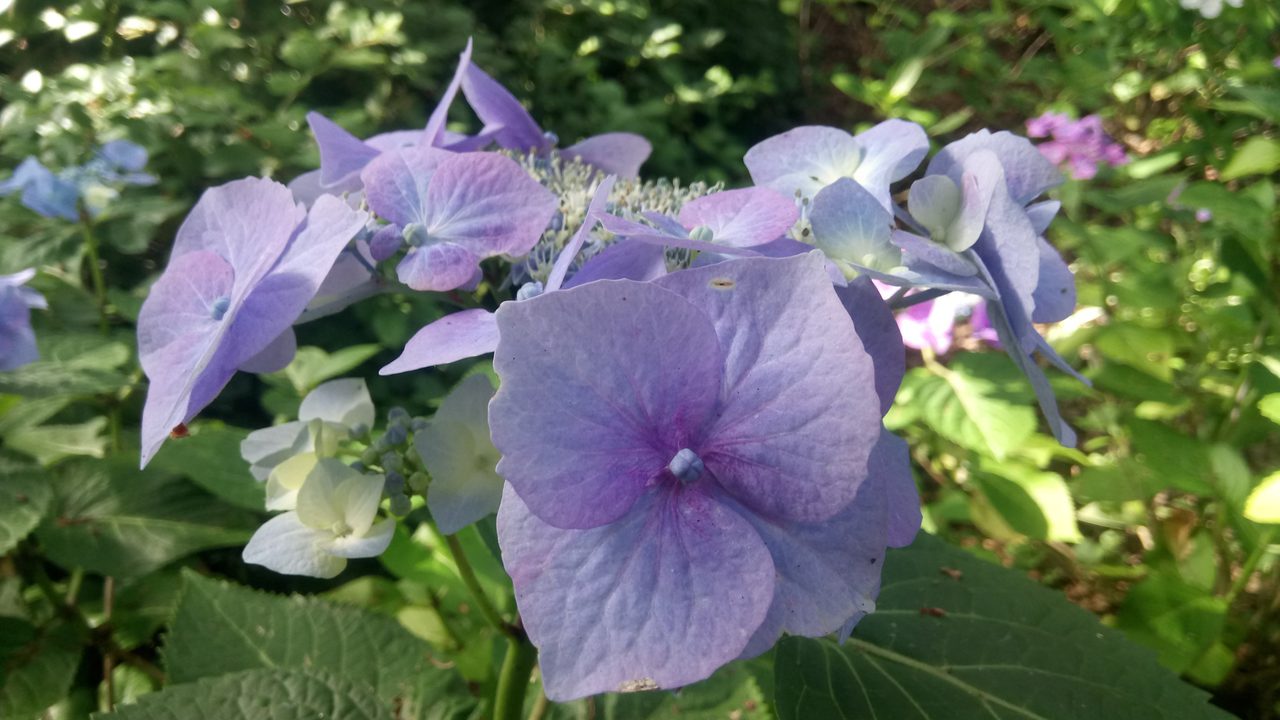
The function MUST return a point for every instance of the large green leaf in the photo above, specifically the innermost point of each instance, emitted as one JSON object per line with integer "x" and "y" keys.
{"x": 956, "y": 638}
{"x": 39, "y": 673}
{"x": 111, "y": 518}
{"x": 50, "y": 443}
{"x": 277, "y": 694}
{"x": 70, "y": 365}
{"x": 977, "y": 401}
{"x": 24, "y": 499}
{"x": 211, "y": 458}
{"x": 220, "y": 628}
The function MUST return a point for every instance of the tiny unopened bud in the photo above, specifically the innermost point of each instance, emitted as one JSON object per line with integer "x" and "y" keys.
{"x": 400, "y": 505}
{"x": 419, "y": 481}
{"x": 394, "y": 483}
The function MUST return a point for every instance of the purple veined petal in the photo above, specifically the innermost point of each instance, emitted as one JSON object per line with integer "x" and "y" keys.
{"x": 875, "y": 325}
{"x": 179, "y": 327}
{"x": 393, "y": 140}
{"x": 804, "y": 159}
{"x": 780, "y": 248}
{"x": 396, "y": 183}
{"x": 891, "y": 151}
{"x": 623, "y": 260}
{"x": 935, "y": 254}
{"x": 790, "y": 439}
{"x": 433, "y": 135}
{"x": 347, "y": 282}
{"x": 275, "y": 356}
{"x": 665, "y": 224}
{"x": 636, "y": 232}
{"x": 746, "y": 217}
{"x": 599, "y": 199}
{"x": 1027, "y": 172}
{"x": 248, "y": 223}
{"x": 850, "y": 226}
{"x": 330, "y": 225}
{"x": 341, "y": 153}
{"x": 919, "y": 274}
{"x": 1043, "y": 213}
{"x": 497, "y": 107}
{"x": 1055, "y": 293}
{"x": 386, "y": 242}
{"x": 1009, "y": 252}
{"x": 981, "y": 177}
{"x": 625, "y": 606}
{"x": 437, "y": 266}
{"x": 616, "y": 153}
{"x": 581, "y": 438}
{"x": 453, "y": 337}
{"x": 488, "y": 204}
{"x": 829, "y": 572}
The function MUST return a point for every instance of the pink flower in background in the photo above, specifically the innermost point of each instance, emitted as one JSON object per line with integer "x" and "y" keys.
{"x": 1081, "y": 145}
{"x": 932, "y": 324}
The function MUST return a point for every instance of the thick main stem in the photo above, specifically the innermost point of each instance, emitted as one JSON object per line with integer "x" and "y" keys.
{"x": 513, "y": 680}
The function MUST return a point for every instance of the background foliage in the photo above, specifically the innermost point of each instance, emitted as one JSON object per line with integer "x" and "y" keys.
{"x": 1143, "y": 525}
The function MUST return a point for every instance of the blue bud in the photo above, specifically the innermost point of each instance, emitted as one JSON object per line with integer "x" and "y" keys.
{"x": 394, "y": 483}
{"x": 397, "y": 413}
{"x": 686, "y": 466}
{"x": 391, "y": 461}
{"x": 396, "y": 434}
{"x": 529, "y": 290}
{"x": 400, "y": 505}
{"x": 357, "y": 466}
{"x": 220, "y": 306}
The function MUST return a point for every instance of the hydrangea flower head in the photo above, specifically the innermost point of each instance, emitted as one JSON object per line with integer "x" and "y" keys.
{"x": 676, "y": 494}
{"x": 59, "y": 195}
{"x": 455, "y": 448}
{"x": 328, "y": 414}
{"x": 17, "y": 341}
{"x": 1079, "y": 145}
{"x": 42, "y": 191}
{"x": 806, "y": 159}
{"x": 246, "y": 262}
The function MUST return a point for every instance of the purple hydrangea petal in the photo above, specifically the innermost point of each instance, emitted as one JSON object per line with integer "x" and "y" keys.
{"x": 937, "y": 255}
{"x": 804, "y": 159}
{"x": 17, "y": 339}
{"x": 919, "y": 274}
{"x": 275, "y": 356}
{"x": 386, "y": 242}
{"x": 433, "y": 135}
{"x": 876, "y": 327}
{"x": 742, "y": 218}
{"x": 1042, "y": 213}
{"x": 581, "y": 438}
{"x": 1027, "y": 172}
{"x": 1055, "y": 293}
{"x": 599, "y": 199}
{"x": 437, "y": 266}
{"x": 453, "y": 337}
{"x": 396, "y": 183}
{"x": 124, "y": 156}
{"x": 829, "y": 572}
{"x": 1010, "y": 253}
{"x": 811, "y": 419}
{"x": 616, "y": 153}
{"x": 341, "y": 153}
{"x": 42, "y": 191}
{"x": 658, "y": 599}
{"x": 623, "y": 260}
{"x": 497, "y": 107}
{"x": 637, "y": 232}
{"x": 891, "y": 151}
{"x": 850, "y": 226}
{"x": 488, "y": 204}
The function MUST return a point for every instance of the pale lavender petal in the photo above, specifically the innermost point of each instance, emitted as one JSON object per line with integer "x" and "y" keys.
{"x": 437, "y": 266}
{"x": 386, "y": 242}
{"x": 487, "y": 203}
{"x": 275, "y": 356}
{"x": 623, "y": 260}
{"x": 1042, "y": 213}
{"x": 341, "y": 153}
{"x": 456, "y": 451}
{"x": 1055, "y": 293}
{"x": 1027, "y": 172}
{"x": 982, "y": 175}
{"x": 396, "y": 183}
{"x": 743, "y": 218}
{"x": 658, "y": 599}
{"x": 891, "y": 151}
{"x": 937, "y": 255}
{"x": 580, "y": 438}
{"x": 453, "y": 337}
{"x": 635, "y": 232}
{"x": 616, "y": 153}
{"x": 433, "y": 135}
{"x": 805, "y": 159}
{"x": 1009, "y": 250}
{"x": 850, "y": 225}
{"x": 811, "y": 420}
{"x": 599, "y": 199}
{"x": 497, "y": 107}
{"x": 395, "y": 140}
{"x": 878, "y": 330}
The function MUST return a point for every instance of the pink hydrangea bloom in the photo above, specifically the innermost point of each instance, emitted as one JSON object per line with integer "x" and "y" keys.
{"x": 1080, "y": 145}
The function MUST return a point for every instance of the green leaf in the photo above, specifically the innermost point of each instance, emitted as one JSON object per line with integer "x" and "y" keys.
{"x": 1263, "y": 505}
{"x": 1269, "y": 406}
{"x": 39, "y": 673}
{"x": 210, "y": 457}
{"x": 312, "y": 366}
{"x": 50, "y": 443}
{"x": 70, "y": 365}
{"x": 278, "y": 694}
{"x": 24, "y": 499}
{"x": 1176, "y": 619}
{"x": 977, "y": 401}
{"x": 956, "y": 638}
{"x": 220, "y": 628}
{"x": 1257, "y": 156}
{"x": 110, "y": 518}
{"x": 1032, "y": 503}
{"x": 1172, "y": 458}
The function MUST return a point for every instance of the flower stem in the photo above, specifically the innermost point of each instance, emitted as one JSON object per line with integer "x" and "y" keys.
{"x": 473, "y": 586}
{"x": 1250, "y": 564}
{"x": 95, "y": 269}
{"x": 903, "y": 302}
{"x": 513, "y": 680}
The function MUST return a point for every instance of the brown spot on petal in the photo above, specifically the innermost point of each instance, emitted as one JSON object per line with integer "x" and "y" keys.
{"x": 722, "y": 283}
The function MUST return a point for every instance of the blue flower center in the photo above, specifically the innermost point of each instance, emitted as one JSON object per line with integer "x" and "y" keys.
{"x": 529, "y": 290}
{"x": 686, "y": 466}
{"x": 219, "y": 308}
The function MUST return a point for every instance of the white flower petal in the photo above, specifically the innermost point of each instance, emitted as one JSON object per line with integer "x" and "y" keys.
{"x": 358, "y": 497}
{"x": 319, "y": 505}
{"x": 462, "y": 460}
{"x": 287, "y": 479}
{"x": 344, "y": 401}
{"x": 268, "y": 447}
{"x": 371, "y": 544}
{"x": 286, "y": 546}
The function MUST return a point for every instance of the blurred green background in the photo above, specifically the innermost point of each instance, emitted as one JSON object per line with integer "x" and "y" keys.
{"x": 1143, "y": 524}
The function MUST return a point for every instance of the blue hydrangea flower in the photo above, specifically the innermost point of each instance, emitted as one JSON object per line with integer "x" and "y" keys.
{"x": 60, "y": 195}
{"x": 17, "y": 340}
{"x": 246, "y": 262}
{"x": 42, "y": 191}
{"x": 677, "y": 497}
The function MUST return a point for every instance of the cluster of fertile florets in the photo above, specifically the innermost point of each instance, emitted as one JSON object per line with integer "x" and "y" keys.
{"x": 685, "y": 447}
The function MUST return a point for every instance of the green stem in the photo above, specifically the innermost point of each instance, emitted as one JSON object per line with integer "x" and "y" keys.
{"x": 1251, "y": 564}
{"x": 469, "y": 579}
{"x": 513, "y": 680}
{"x": 95, "y": 269}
